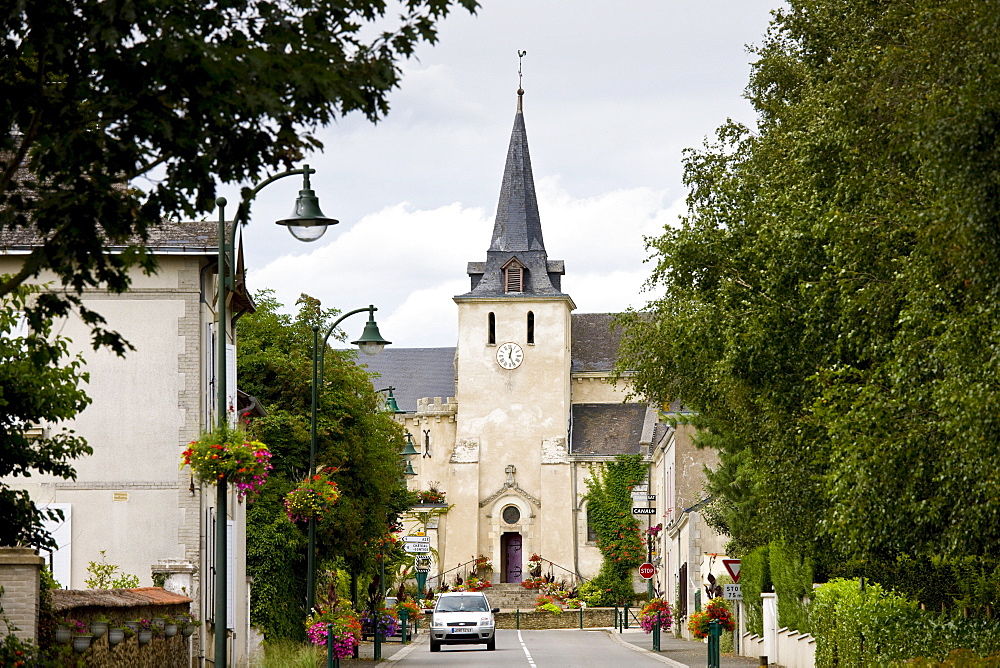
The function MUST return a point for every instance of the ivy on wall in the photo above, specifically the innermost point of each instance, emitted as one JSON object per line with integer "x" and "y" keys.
{"x": 609, "y": 506}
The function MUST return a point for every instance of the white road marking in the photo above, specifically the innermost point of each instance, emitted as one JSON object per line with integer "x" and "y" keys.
{"x": 531, "y": 662}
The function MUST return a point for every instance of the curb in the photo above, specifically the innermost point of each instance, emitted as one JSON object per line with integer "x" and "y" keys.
{"x": 662, "y": 659}
{"x": 421, "y": 639}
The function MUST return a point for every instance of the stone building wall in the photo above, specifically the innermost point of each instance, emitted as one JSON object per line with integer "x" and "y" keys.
{"x": 19, "y": 568}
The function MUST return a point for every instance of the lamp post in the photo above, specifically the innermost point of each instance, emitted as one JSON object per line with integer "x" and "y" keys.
{"x": 307, "y": 223}
{"x": 371, "y": 343}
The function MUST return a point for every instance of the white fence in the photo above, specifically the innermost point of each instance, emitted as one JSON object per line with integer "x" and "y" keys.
{"x": 782, "y": 647}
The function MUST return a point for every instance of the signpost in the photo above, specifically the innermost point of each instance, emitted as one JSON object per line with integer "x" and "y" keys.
{"x": 417, "y": 548}
{"x": 733, "y": 566}
{"x": 646, "y": 571}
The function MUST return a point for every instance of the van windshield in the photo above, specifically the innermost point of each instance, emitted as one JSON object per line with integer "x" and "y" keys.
{"x": 462, "y": 604}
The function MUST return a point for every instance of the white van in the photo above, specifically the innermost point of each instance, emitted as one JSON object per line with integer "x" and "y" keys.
{"x": 463, "y": 617}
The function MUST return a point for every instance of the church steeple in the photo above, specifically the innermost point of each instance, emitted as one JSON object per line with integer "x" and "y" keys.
{"x": 517, "y": 226}
{"x": 517, "y": 231}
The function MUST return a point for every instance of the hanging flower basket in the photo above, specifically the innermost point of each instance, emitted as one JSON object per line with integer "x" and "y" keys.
{"x": 312, "y": 499}
{"x": 231, "y": 455}
{"x": 717, "y": 610}
{"x": 655, "y": 610}
{"x": 342, "y": 623}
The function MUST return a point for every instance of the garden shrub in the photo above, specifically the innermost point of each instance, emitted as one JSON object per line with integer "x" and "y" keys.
{"x": 877, "y": 627}
{"x": 793, "y": 579}
{"x": 755, "y": 578}
{"x": 970, "y": 582}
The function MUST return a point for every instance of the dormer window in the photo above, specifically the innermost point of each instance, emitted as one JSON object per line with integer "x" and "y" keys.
{"x": 513, "y": 276}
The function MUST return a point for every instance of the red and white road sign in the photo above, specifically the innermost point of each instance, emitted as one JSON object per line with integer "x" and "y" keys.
{"x": 646, "y": 571}
{"x": 733, "y": 566}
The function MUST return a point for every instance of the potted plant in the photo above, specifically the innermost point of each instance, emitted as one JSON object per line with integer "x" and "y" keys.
{"x": 169, "y": 626}
{"x": 99, "y": 626}
{"x": 535, "y": 565}
{"x": 232, "y": 455}
{"x": 118, "y": 634}
{"x": 64, "y": 631}
{"x": 342, "y": 623}
{"x": 483, "y": 566}
{"x": 133, "y": 625}
{"x": 188, "y": 624}
{"x": 655, "y": 611}
{"x": 431, "y": 495}
{"x": 312, "y": 498}
{"x": 82, "y": 636}
{"x": 716, "y": 609}
{"x": 145, "y": 633}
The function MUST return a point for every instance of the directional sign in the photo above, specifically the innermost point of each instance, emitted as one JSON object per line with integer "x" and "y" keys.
{"x": 646, "y": 571}
{"x": 732, "y": 592}
{"x": 417, "y": 548}
{"x": 733, "y": 566}
{"x": 644, "y": 511}
{"x": 415, "y": 539}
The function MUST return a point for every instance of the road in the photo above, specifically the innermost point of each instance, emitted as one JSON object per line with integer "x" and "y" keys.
{"x": 533, "y": 649}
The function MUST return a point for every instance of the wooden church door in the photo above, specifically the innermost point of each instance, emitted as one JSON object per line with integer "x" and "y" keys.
{"x": 510, "y": 546}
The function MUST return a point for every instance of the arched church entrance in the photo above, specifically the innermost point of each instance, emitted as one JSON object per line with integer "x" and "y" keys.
{"x": 510, "y": 551}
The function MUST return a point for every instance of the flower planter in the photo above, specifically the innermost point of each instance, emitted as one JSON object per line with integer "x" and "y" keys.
{"x": 63, "y": 634}
{"x": 188, "y": 630}
{"x": 82, "y": 643}
{"x": 159, "y": 623}
{"x": 134, "y": 625}
{"x": 115, "y": 637}
{"x": 98, "y": 629}
{"x": 145, "y": 636}
{"x": 170, "y": 630}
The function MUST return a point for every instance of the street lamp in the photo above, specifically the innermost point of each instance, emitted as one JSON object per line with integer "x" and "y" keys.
{"x": 307, "y": 223}
{"x": 371, "y": 343}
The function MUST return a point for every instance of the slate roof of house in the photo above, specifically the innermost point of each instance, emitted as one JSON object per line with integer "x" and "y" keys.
{"x": 198, "y": 237}
{"x": 415, "y": 373}
{"x": 517, "y": 229}
{"x": 607, "y": 429}
{"x": 594, "y": 343}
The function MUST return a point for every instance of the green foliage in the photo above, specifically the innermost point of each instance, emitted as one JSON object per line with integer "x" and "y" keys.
{"x": 276, "y": 560}
{"x": 39, "y": 384}
{"x": 609, "y": 508}
{"x": 832, "y": 303}
{"x": 289, "y": 654}
{"x": 106, "y": 576}
{"x": 174, "y": 96}
{"x": 793, "y": 583}
{"x": 354, "y": 435}
{"x": 855, "y": 628}
{"x": 755, "y": 579}
{"x": 969, "y": 583}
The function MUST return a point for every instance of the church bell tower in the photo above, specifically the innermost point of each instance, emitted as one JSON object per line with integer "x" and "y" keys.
{"x": 509, "y": 466}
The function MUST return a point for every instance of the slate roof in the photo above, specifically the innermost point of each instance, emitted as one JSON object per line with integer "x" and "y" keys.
{"x": 607, "y": 429}
{"x": 414, "y": 372}
{"x": 517, "y": 230}
{"x": 196, "y": 237}
{"x": 594, "y": 344}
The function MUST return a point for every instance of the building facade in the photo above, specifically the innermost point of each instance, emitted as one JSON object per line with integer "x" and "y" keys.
{"x": 131, "y": 501}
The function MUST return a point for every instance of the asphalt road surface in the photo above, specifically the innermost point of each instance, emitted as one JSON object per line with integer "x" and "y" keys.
{"x": 534, "y": 649}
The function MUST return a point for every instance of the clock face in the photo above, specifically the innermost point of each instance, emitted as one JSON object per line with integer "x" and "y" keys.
{"x": 509, "y": 355}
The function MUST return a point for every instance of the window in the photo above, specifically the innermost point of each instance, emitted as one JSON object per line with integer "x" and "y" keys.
{"x": 491, "y": 337}
{"x": 511, "y": 514}
{"x": 531, "y": 327}
{"x": 591, "y": 531}
{"x": 513, "y": 276}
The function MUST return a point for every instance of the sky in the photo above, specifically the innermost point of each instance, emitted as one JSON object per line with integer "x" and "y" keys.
{"x": 615, "y": 90}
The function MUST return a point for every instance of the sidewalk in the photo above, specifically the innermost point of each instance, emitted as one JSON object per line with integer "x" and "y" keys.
{"x": 677, "y": 652}
{"x": 391, "y": 652}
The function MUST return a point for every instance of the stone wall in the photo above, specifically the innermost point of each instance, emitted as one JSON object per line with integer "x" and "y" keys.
{"x": 121, "y": 605}
{"x": 568, "y": 619}
{"x": 19, "y": 568}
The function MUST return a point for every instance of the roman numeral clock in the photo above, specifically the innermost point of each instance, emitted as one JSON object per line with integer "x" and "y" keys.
{"x": 509, "y": 355}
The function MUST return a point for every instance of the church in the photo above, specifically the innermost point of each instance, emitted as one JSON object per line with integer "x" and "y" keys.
{"x": 508, "y": 423}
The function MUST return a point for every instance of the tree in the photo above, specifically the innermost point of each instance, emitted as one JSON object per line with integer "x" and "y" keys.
{"x": 831, "y": 309}
{"x": 354, "y": 434}
{"x": 170, "y": 97}
{"x": 39, "y": 385}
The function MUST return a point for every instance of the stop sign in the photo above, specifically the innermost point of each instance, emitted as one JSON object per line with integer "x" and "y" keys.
{"x": 646, "y": 571}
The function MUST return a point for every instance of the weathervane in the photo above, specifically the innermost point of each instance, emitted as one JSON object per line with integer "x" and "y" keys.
{"x": 520, "y": 55}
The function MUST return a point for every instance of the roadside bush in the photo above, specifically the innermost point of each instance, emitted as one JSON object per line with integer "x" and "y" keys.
{"x": 877, "y": 627}
{"x": 793, "y": 580}
{"x": 755, "y": 578}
